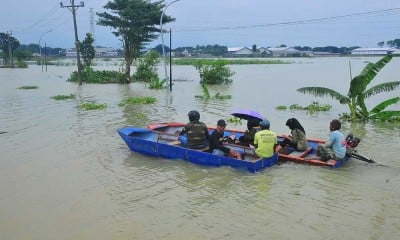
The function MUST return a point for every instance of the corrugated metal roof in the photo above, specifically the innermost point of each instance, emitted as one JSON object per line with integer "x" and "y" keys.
{"x": 235, "y": 49}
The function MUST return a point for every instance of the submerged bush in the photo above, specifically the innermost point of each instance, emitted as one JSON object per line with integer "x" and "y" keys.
{"x": 92, "y": 106}
{"x": 92, "y": 76}
{"x": 206, "y": 94}
{"x": 281, "y": 107}
{"x": 28, "y": 87}
{"x": 214, "y": 71}
{"x": 156, "y": 83}
{"x": 234, "y": 120}
{"x": 63, "y": 97}
{"x": 146, "y": 69}
{"x": 137, "y": 100}
{"x": 313, "y": 107}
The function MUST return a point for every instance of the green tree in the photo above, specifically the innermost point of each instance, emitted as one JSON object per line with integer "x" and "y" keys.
{"x": 21, "y": 55}
{"x": 87, "y": 50}
{"x": 214, "y": 71}
{"x": 147, "y": 67}
{"x": 6, "y": 42}
{"x": 358, "y": 92}
{"x": 215, "y": 50}
{"x": 390, "y": 43}
{"x": 396, "y": 42}
{"x": 381, "y": 44}
{"x": 254, "y": 48}
{"x": 158, "y": 48}
{"x": 136, "y": 23}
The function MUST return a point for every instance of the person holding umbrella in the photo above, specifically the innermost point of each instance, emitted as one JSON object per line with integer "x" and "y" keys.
{"x": 253, "y": 126}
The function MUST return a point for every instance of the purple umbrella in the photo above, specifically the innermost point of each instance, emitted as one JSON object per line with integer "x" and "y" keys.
{"x": 247, "y": 114}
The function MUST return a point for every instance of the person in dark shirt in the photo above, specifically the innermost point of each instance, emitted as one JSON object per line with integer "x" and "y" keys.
{"x": 216, "y": 146}
{"x": 196, "y": 131}
{"x": 253, "y": 126}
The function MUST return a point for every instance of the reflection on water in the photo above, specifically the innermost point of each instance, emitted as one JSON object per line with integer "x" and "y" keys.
{"x": 66, "y": 174}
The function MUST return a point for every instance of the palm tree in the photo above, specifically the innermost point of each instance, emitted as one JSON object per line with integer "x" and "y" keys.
{"x": 358, "y": 92}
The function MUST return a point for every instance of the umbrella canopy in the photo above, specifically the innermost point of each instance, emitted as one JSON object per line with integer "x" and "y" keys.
{"x": 247, "y": 114}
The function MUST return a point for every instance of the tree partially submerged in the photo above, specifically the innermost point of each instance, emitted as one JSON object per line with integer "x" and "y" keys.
{"x": 358, "y": 92}
{"x": 147, "y": 67}
{"x": 8, "y": 42}
{"x": 214, "y": 71}
{"x": 136, "y": 23}
{"x": 87, "y": 50}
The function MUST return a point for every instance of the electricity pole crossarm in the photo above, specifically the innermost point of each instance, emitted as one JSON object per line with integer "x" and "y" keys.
{"x": 73, "y": 9}
{"x": 81, "y": 4}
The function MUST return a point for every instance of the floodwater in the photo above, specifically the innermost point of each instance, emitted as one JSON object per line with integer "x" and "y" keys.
{"x": 66, "y": 174}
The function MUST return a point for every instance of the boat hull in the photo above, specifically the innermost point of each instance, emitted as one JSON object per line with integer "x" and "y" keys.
{"x": 307, "y": 157}
{"x": 165, "y": 145}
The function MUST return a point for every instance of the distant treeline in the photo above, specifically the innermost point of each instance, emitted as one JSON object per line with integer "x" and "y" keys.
{"x": 212, "y": 50}
{"x": 34, "y": 48}
{"x": 218, "y": 50}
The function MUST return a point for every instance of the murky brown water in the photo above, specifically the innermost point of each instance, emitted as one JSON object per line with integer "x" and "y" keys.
{"x": 66, "y": 174}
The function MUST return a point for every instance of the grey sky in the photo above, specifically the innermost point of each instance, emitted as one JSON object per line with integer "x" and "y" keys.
{"x": 233, "y": 23}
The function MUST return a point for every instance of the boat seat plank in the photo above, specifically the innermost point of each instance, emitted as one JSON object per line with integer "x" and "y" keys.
{"x": 176, "y": 142}
{"x": 301, "y": 154}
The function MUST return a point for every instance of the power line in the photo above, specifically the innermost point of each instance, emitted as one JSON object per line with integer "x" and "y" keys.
{"x": 384, "y": 12}
{"x": 47, "y": 15}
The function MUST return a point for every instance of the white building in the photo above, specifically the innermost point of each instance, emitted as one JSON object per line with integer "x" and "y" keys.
{"x": 240, "y": 51}
{"x": 283, "y": 51}
{"x": 100, "y": 52}
{"x": 289, "y": 52}
{"x": 106, "y": 52}
{"x": 263, "y": 50}
{"x": 374, "y": 51}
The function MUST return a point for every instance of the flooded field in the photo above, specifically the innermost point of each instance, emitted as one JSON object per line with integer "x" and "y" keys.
{"x": 66, "y": 174}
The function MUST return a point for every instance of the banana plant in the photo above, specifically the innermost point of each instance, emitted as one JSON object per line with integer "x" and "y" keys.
{"x": 358, "y": 92}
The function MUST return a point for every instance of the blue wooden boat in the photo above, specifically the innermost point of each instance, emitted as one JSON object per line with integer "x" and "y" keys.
{"x": 307, "y": 157}
{"x": 162, "y": 141}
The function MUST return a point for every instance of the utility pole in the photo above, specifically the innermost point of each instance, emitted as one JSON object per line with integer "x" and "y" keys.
{"x": 10, "y": 56}
{"x": 45, "y": 53}
{"x": 92, "y": 31}
{"x": 40, "y": 48}
{"x": 162, "y": 37}
{"x": 73, "y": 9}
{"x": 170, "y": 60}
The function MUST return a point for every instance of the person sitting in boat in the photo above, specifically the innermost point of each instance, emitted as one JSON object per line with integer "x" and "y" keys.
{"x": 196, "y": 132}
{"x": 253, "y": 126}
{"x": 265, "y": 140}
{"x": 216, "y": 146}
{"x": 335, "y": 147}
{"x": 297, "y": 139}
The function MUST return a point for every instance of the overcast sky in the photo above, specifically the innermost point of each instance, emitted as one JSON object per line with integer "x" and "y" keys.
{"x": 232, "y": 23}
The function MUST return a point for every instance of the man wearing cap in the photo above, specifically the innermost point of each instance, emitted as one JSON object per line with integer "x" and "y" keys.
{"x": 265, "y": 140}
{"x": 217, "y": 137}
